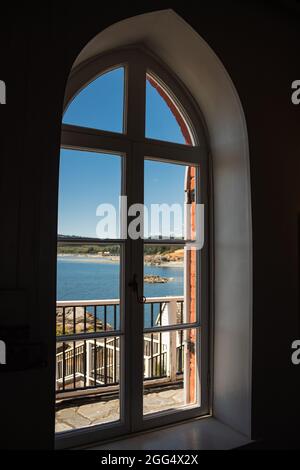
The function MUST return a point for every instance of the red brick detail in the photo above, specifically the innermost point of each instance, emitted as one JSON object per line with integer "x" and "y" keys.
{"x": 173, "y": 108}
{"x": 191, "y": 185}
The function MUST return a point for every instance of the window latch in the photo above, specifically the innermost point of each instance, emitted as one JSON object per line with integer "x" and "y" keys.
{"x": 141, "y": 299}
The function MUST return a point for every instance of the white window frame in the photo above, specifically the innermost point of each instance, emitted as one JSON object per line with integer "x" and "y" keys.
{"x": 135, "y": 147}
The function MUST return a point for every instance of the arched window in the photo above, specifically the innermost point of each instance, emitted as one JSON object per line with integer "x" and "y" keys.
{"x": 132, "y": 309}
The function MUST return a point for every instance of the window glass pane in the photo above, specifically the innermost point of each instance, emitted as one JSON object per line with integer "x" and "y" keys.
{"x": 164, "y": 120}
{"x": 100, "y": 105}
{"x": 170, "y": 198}
{"x": 84, "y": 366}
{"x": 171, "y": 371}
{"x": 170, "y": 279}
{"x": 89, "y": 274}
{"x": 88, "y": 303}
{"x": 89, "y": 194}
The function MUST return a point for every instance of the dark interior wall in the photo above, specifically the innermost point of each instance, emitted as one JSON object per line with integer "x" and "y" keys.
{"x": 260, "y": 48}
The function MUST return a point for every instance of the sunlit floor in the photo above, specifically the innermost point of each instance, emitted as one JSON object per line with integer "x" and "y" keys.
{"x": 91, "y": 414}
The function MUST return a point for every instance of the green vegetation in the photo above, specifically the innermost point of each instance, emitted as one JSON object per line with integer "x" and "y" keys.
{"x": 64, "y": 249}
{"x": 160, "y": 249}
{"x": 114, "y": 250}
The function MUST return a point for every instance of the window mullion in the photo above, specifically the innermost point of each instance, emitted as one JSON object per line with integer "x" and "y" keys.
{"x": 135, "y": 127}
{"x": 78, "y": 138}
{"x": 172, "y": 153}
{"x": 136, "y": 97}
{"x": 176, "y": 327}
{"x": 134, "y": 336}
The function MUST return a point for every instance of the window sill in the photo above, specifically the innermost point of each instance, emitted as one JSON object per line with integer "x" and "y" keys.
{"x": 198, "y": 434}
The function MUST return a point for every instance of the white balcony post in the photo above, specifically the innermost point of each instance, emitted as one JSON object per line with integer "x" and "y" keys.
{"x": 88, "y": 362}
{"x": 56, "y": 375}
{"x": 170, "y": 319}
{"x": 146, "y": 362}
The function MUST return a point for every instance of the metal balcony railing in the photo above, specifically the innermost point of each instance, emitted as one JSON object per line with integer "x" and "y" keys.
{"x": 88, "y": 346}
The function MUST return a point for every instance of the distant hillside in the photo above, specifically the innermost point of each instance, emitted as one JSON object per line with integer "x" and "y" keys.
{"x": 158, "y": 253}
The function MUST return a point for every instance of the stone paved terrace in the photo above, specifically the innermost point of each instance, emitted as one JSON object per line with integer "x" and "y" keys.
{"x": 100, "y": 412}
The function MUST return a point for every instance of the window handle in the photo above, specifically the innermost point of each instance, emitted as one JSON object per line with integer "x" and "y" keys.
{"x": 135, "y": 287}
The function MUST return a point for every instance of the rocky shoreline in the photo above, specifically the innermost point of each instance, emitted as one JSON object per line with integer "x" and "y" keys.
{"x": 154, "y": 279}
{"x": 168, "y": 260}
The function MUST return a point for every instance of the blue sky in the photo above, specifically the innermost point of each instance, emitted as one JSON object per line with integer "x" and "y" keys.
{"x": 88, "y": 179}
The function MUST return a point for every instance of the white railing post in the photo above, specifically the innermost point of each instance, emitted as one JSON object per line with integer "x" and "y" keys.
{"x": 88, "y": 363}
{"x": 146, "y": 362}
{"x": 169, "y": 318}
{"x": 56, "y": 373}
